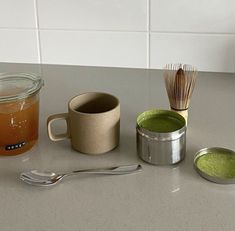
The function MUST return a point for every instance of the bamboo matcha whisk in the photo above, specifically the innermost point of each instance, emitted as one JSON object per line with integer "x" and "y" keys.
{"x": 180, "y": 81}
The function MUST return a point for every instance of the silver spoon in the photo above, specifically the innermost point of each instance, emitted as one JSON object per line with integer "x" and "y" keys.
{"x": 39, "y": 178}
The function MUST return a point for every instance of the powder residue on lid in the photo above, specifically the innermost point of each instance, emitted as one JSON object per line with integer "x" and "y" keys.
{"x": 217, "y": 164}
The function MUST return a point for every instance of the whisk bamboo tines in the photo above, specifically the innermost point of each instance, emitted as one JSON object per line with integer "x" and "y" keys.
{"x": 180, "y": 81}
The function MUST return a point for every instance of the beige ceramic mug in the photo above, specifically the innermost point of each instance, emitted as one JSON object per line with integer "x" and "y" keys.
{"x": 93, "y": 123}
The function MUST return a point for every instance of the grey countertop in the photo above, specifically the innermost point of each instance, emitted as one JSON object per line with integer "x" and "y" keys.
{"x": 160, "y": 198}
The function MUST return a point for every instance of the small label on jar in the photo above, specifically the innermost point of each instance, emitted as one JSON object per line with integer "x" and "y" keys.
{"x": 14, "y": 146}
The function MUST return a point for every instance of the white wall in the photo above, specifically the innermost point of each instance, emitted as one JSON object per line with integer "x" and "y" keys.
{"x": 121, "y": 33}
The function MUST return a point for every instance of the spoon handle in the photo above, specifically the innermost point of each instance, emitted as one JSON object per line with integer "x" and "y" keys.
{"x": 118, "y": 170}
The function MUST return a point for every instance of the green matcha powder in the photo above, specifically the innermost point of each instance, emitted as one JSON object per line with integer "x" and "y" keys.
{"x": 160, "y": 121}
{"x": 219, "y": 164}
{"x": 161, "y": 124}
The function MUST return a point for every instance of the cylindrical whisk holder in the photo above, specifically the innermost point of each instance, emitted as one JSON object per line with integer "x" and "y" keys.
{"x": 184, "y": 113}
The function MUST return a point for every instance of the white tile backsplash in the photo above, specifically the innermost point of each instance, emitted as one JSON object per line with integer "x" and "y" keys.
{"x": 119, "y": 33}
{"x": 17, "y": 14}
{"x": 128, "y": 15}
{"x": 119, "y": 49}
{"x": 206, "y": 52}
{"x": 193, "y": 16}
{"x": 19, "y": 46}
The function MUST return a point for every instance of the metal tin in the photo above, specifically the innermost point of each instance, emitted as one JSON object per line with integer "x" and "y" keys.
{"x": 214, "y": 179}
{"x": 161, "y": 148}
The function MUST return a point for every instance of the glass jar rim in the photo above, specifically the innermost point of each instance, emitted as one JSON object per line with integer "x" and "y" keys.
{"x": 16, "y": 86}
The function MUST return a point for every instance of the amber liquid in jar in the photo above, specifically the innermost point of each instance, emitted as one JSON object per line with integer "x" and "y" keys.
{"x": 18, "y": 125}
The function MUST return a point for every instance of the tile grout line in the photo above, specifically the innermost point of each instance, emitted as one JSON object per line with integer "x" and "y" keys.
{"x": 148, "y": 51}
{"x": 93, "y": 30}
{"x": 148, "y": 34}
{"x": 192, "y": 33}
{"x": 121, "y": 31}
{"x": 38, "y": 31}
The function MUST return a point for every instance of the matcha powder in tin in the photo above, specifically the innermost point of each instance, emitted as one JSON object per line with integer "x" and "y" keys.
{"x": 219, "y": 164}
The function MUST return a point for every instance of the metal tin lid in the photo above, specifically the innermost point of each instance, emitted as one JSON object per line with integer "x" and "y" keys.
{"x": 216, "y": 164}
{"x": 18, "y": 86}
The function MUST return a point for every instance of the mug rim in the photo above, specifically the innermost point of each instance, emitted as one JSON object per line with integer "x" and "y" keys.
{"x": 96, "y": 113}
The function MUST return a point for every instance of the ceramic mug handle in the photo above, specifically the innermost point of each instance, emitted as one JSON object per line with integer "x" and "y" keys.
{"x": 50, "y": 120}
